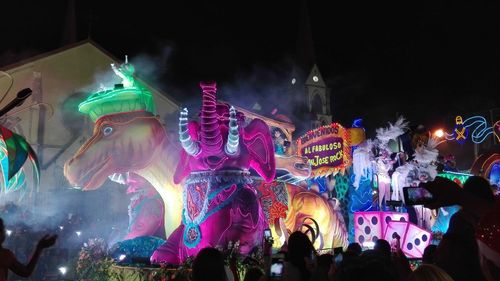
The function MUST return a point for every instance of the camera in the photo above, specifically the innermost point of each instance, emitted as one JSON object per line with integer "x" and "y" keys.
{"x": 417, "y": 195}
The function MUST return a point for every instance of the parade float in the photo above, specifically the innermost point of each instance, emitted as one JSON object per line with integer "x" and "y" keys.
{"x": 211, "y": 199}
{"x": 230, "y": 174}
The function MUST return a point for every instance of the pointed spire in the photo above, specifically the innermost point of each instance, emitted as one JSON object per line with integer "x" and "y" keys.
{"x": 69, "y": 33}
{"x": 305, "y": 55}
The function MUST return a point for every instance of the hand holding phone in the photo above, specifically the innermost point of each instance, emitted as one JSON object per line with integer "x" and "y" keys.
{"x": 338, "y": 259}
{"x": 268, "y": 237}
{"x": 268, "y": 242}
{"x": 267, "y": 233}
{"x": 276, "y": 268}
{"x": 338, "y": 255}
{"x": 445, "y": 192}
{"x": 417, "y": 196}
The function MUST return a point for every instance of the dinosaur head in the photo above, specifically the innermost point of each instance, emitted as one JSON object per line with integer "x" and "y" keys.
{"x": 121, "y": 142}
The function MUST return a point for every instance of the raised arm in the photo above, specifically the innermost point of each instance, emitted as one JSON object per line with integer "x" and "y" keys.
{"x": 26, "y": 270}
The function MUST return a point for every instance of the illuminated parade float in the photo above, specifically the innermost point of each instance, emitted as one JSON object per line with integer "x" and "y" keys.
{"x": 228, "y": 174}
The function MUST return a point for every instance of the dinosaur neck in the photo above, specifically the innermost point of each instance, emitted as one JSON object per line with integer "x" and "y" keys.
{"x": 160, "y": 174}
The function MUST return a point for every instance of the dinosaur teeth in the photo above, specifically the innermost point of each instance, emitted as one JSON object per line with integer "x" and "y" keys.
{"x": 121, "y": 178}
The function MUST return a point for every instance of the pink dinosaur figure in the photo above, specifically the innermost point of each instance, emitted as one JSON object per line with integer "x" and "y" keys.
{"x": 219, "y": 203}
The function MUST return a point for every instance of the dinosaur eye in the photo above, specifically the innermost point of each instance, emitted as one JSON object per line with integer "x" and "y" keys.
{"x": 107, "y": 130}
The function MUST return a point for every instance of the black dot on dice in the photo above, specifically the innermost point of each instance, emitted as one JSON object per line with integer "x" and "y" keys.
{"x": 374, "y": 220}
{"x": 361, "y": 239}
{"x": 374, "y": 239}
{"x": 417, "y": 241}
{"x": 409, "y": 246}
{"x": 424, "y": 237}
{"x": 367, "y": 230}
{"x": 394, "y": 235}
{"x": 360, "y": 220}
{"x": 402, "y": 219}
{"x": 388, "y": 219}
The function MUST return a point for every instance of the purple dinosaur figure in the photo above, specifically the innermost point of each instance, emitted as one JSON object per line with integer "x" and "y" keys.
{"x": 219, "y": 203}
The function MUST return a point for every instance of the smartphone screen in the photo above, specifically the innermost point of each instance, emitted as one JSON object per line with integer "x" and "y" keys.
{"x": 277, "y": 269}
{"x": 267, "y": 233}
{"x": 338, "y": 259}
{"x": 417, "y": 196}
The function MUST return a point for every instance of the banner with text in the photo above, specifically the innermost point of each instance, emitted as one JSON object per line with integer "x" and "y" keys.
{"x": 326, "y": 148}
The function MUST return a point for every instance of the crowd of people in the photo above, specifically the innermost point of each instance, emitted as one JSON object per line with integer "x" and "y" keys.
{"x": 20, "y": 237}
{"x": 457, "y": 257}
{"x": 468, "y": 250}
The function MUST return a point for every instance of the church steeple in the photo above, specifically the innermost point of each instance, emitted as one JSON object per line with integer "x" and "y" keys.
{"x": 306, "y": 81}
{"x": 306, "y": 56}
{"x": 69, "y": 32}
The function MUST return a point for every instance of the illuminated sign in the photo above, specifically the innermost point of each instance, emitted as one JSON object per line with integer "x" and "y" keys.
{"x": 326, "y": 148}
{"x": 475, "y": 126}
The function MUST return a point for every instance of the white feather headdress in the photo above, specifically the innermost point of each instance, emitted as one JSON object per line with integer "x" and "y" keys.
{"x": 362, "y": 161}
{"x": 384, "y": 135}
{"x": 427, "y": 153}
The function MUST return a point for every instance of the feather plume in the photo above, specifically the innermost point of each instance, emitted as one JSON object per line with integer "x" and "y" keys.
{"x": 427, "y": 153}
{"x": 362, "y": 161}
{"x": 384, "y": 135}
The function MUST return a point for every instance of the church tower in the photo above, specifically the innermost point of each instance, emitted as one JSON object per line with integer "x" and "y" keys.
{"x": 307, "y": 84}
{"x": 318, "y": 99}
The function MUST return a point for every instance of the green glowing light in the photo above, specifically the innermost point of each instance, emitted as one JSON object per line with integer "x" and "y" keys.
{"x": 116, "y": 101}
{"x": 455, "y": 176}
{"x": 125, "y": 97}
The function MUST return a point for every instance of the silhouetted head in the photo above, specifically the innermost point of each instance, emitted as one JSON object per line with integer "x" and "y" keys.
{"x": 383, "y": 247}
{"x": 479, "y": 187}
{"x": 355, "y": 248}
{"x": 428, "y": 256}
{"x": 300, "y": 248}
{"x": 325, "y": 260}
{"x": 253, "y": 274}
{"x": 374, "y": 267}
{"x": 209, "y": 266}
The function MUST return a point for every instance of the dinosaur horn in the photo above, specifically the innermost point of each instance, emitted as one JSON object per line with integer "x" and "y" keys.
{"x": 191, "y": 147}
{"x": 233, "y": 138}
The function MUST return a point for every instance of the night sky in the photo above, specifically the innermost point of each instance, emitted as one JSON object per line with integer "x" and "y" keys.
{"x": 426, "y": 60}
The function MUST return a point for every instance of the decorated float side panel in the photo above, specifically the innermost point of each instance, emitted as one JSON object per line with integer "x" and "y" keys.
{"x": 327, "y": 149}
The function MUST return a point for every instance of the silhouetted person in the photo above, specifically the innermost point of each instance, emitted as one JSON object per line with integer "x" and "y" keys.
{"x": 8, "y": 260}
{"x": 429, "y": 252}
{"x": 301, "y": 258}
{"x": 209, "y": 266}
{"x": 253, "y": 274}
{"x": 325, "y": 268}
{"x": 355, "y": 248}
{"x": 372, "y": 267}
{"x": 384, "y": 248}
{"x": 396, "y": 261}
{"x": 457, "y": 253}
